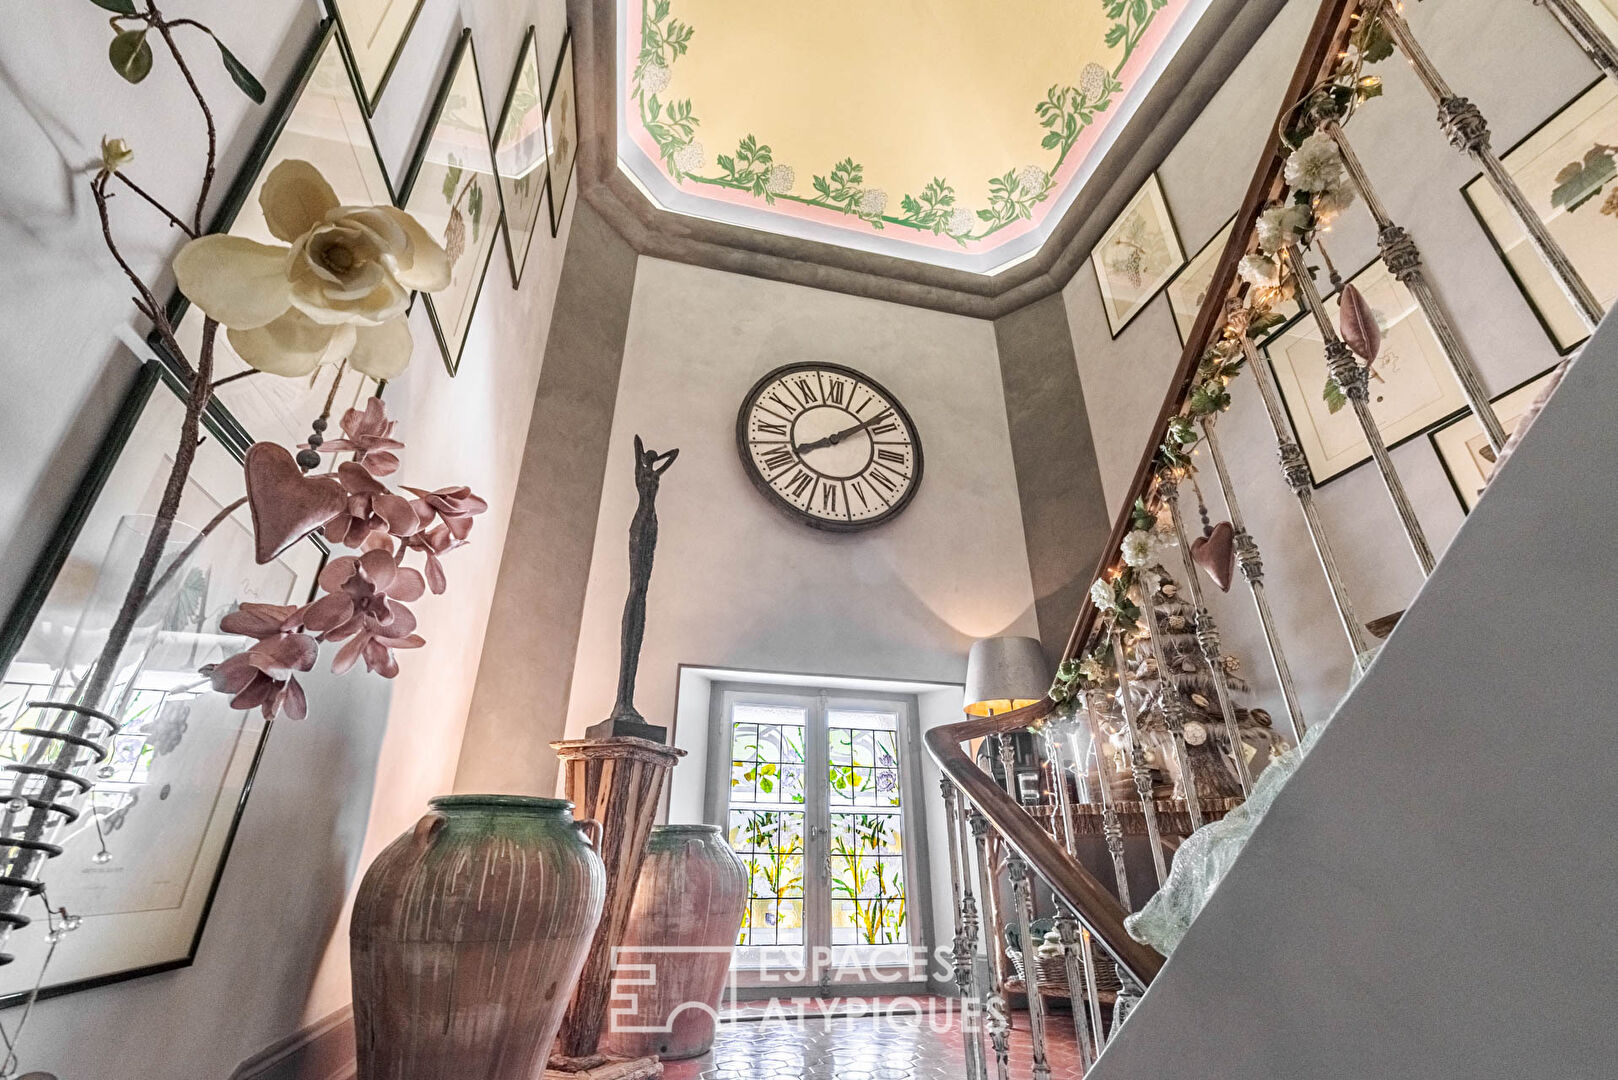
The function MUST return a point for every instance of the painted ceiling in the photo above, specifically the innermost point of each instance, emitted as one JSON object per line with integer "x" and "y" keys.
{"x": 954, "y": 132}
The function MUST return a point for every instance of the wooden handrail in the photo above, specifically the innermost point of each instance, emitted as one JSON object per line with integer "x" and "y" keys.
{"x": 1095, "y": 906}
{"x": 1327, "y": 38}
{"x": 1091, "y": 901}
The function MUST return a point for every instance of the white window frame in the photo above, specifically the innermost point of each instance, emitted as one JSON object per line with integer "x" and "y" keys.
{"x": 817, "y": 703}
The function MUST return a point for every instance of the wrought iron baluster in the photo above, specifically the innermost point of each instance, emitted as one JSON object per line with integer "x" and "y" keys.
{"x": 1081, "y": 984}
{"x": 1353, "y": 380}
{"x": 1112, "y": 829}
{"x": 1585, "y": 33}
{"x": 1467, "y": 130}
{"x": 965, "y": 946}
{"x": 1173, "y": 704}
{"x": 1022, "y": 905}
{"x": 1295, "y": 469}
{"x": 1137, "y": 759}
{"x": 1402, "y": 258}
{"x": 1252, "y": 564}
{"x": 994, "y": 1006}
{"x": 1207, "y": 631}
{"x": 1023, "y": 900}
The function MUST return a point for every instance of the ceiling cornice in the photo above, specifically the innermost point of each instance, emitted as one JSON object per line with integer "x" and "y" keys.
{"x": 1198, "y": 69}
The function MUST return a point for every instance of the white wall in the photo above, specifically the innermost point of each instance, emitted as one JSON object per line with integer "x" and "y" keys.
{"x": 1430, "y": 896}
{"x": 1419, "y": 176}
{"x": 275, "y": 952}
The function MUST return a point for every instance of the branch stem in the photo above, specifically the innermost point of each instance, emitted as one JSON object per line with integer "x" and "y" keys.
{"x": 165, "y": 211}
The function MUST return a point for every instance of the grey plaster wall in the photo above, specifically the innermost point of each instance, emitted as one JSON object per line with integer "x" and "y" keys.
{"x": 333, "y": 789}
{"x": 737, "y": 583}
{"x": 1513, "y": 60}
{"x": 526, "y": 670}
{"x": 1064, "y": 514}
{"x": 1428, "y": 897}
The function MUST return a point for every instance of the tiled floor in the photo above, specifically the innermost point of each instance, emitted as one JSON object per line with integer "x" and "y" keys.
{"x": 866, "y": 1048}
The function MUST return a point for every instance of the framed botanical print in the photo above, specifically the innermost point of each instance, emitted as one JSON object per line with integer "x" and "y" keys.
{"x": 562, "y": 130}
{"x": 1411, "y": 385}
{"x": 320, "y": 120}
{"x": 374, "y": 33}
{"x": 1137, "y": 256}
{"x": 1189, "y": 288}
{"x": 452, "y": 191}
{"x": 520, "y": 155}
{"x": 1464, "y": 449}
{"x": 141, "y": 862}
{"x": 1568, "y": 169}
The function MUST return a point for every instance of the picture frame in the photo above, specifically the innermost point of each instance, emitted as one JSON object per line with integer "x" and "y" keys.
{"x": 1412, "y": 388}
{"x": 319, "y": 118}
{"x": 562, "y": 130}
{"x": 141, "y": 866}
{"x": 1463, "y": 447}
{"x": 374, "y": 33}
{"x": 1189, "y": 286}
{"x": 1568, "y": 169}
{"x": 522, "y": 156}
{"x": 454, "y": 167}
{"x": 1137, "y": 256}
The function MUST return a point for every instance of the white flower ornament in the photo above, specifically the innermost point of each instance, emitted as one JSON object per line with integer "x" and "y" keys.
{"x": 1137, "y": 548}
{"x": 337, "y": 291}
{"x": 1101, "y": 595}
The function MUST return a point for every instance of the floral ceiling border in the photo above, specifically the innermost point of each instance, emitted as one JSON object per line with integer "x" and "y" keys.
{"x": 1072, "y": 117}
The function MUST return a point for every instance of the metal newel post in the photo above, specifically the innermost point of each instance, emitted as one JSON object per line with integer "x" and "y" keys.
{"x": 1353, "y": 380}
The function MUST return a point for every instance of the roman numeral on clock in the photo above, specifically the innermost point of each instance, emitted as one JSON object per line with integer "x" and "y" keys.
{"x": 770, "y": 427}
{"x": 778, "y": 459}
{"x": 893, "y": 456}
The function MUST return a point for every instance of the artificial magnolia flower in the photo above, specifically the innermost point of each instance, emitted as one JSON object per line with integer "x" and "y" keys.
{"x": 456, "y": 506}
{"x": 339, "y": 290}
{"x": 1316, "y": 165}
{"x": 1137, "y": 548}
{"x": 1281, "y": 225}
{"x": 1259, "y": 270}
{"x": 115, "y": 154}
{"x": 1102, "y": 597}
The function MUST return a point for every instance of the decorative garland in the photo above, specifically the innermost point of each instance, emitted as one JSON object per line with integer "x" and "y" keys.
{"x": 752, "y": 168}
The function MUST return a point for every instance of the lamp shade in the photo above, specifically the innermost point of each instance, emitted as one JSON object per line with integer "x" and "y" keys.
{"x": 1004, "y": 673}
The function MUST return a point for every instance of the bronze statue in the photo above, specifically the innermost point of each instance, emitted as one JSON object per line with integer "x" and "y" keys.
{"x": 649, "y": 469}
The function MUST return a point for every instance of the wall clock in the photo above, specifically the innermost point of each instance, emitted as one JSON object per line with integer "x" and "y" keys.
{"x": 829, "y": 446}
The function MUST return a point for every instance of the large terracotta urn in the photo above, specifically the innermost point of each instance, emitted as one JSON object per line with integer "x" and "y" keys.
{"x": 468, "y": 934}
{"x": 677, "y": 948}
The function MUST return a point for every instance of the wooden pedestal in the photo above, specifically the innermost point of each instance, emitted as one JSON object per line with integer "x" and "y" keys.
{"x": 618, "y": 782}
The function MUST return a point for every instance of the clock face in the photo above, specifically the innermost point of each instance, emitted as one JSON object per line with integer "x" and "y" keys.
{"x": 830, "y": 446}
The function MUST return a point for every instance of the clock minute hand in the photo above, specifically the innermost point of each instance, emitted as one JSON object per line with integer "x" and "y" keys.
{"x": 838, "y": 436}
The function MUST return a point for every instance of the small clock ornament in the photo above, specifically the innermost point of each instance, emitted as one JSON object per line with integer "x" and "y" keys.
{"x": 829, "y": 446}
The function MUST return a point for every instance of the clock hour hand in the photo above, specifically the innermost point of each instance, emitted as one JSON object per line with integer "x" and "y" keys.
{"x": 838, "y": 436}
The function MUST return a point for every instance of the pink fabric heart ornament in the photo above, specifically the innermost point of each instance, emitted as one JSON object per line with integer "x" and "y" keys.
{"x": 1357, "y": 323}
{"x": 286, "y": 505}
{"x": 1216, "y": 554}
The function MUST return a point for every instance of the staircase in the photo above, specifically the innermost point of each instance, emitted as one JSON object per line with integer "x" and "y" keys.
{"x": 1429, "y": 893}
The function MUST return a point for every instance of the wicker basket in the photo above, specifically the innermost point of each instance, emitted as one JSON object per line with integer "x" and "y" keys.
{"x": 1053, "y": 973}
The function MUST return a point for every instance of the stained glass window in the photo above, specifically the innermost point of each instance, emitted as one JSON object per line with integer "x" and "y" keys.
{"x": 767, "y": 831}
{"x": 867, "y": 841}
